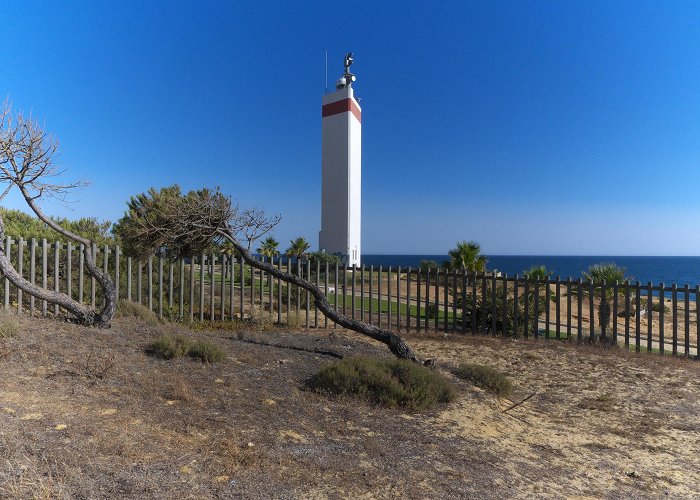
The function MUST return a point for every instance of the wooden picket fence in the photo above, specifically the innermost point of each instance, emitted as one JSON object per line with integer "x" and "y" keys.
{"x": 213, "y": 287}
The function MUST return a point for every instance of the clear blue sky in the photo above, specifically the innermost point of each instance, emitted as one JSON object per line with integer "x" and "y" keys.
{"x": 532, "y": 127}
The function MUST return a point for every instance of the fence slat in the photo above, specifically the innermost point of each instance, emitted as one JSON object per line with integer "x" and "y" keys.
{"x": 149, "y": 286}
{"x": 389, "y": 301}
{"x": 661, "y": 319}
{"x": 181, "y": 302}
{"x": 674, "y": 308}
{"x": 44, "y": 272}
{"x": 505, "y": 312}
{"x": 171, "y": 285}
{"x": 117, "y": 269}
{"x": 686, "y": 303}
{"x": 627, "y": 314}
{"x": 614, "y": 312}
{"x": 474, "y": 305}
{"x": 160, "y": 286}
{"x": 325, "y": 291}
{"x": 93, "y": 291}
{"x": 8, "y": 253}
{"x": 379, "y": 292}
{"x": 352, "y": 290}
{"x": 557, "y": 294}
{"x": 139, "y": 281}
{"x": 536, "y": 313}
{"x": 308, "y": 297}
{"x": 568, "y": 308}
{"x": 20, "y": 265}
{"x": 445, "y": 300}
{"x": 56, "y": 274}
{"x": 362, "y": 292}
{"x": 128, "y": 278}
{"x": 191, "y": 288}
{"x": 591, "y": 309}
{"x": 371, "y": 294}
{"x": 408, "y": 300}
{"x": 398, "y": 298}
{"x": 436, "y": 298}
{"x": 526, "y": 297}
{"x": 202, "y": 270}
{"x": 212, "y": 287}
{"x": 279, "y": 291}
{"x": 464, "y": 300}
{"x": 32, "y": 272}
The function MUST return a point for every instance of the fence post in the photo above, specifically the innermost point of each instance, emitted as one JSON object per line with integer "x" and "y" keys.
{"x": 149, "y": 288}
{"x": 32, "y": 272}
{"x": 674, "y": 303}
{"x": 139, "y": 282}
{"x": 93, "y": 300}
{"x": 568, "y": 308}
{"x": 182, "y": 288}
{"x": 160, "y": 286}
{"x": 212, "y": 287}
{"x": 379, "y": 293}
{"x": 222, "y": 290}
{"x": 8, "y": 253}
{"x": 362, "y": 293}
{"x": 557, "y": 294}
{"x": 308, "y": 298}
{"x": 202, "y": 270}
{"x": 56, "y": 274}
{"x": 661, "y": 319}
{"x": 117, "y": 255}
{"x": 20, "y": 265}
{"x": 128, "y": 279}
{"x": 371, "y": 293}
{"x": 171, "y": 286}
{"x": 44, "y": 273}
{"x": 408, "y": 300}
{"x": 686, "y": 293}
{"x": 352, "y": 289}
{"x": 536, "y": 313}
{"x": 614, "y": 312}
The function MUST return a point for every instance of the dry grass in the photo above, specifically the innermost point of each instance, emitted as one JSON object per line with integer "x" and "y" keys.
{"x": 87, "y": 414}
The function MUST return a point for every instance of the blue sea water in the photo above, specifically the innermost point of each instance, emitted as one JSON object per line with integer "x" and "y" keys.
{"x": 667, "y": 270}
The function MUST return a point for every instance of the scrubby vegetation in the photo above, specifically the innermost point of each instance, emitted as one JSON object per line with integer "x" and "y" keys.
{"x": 485, "y": 377}
{"x": 389, "y": 382}
{"x": 175, "y": 346}
{"x": 8, "y": 324}
{"x": 129, "y": 309}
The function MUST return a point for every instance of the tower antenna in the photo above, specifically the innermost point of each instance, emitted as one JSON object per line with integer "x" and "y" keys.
{"x": 326, "y": 71}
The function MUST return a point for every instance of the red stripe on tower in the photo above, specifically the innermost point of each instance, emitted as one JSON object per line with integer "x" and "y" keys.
{"x": 342, "y": 106}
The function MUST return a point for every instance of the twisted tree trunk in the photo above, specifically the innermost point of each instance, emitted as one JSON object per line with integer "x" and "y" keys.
{"x": 395, "y": 343}
{"x": 83, "y": 314}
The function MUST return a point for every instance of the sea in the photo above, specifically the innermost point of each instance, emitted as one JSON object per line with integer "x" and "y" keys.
{"x": 666, "y": 270}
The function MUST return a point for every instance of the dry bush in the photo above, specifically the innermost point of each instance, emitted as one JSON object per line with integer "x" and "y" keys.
{"x": 237, "y": 454}
{"x": 390, "y": 382}
{"x": 169, "y": 346}
{"x": 485, "y": 377}
{"x": 206, "y": 351}
{"x": 9, "y": 326}
{"x": 129, "y": 309}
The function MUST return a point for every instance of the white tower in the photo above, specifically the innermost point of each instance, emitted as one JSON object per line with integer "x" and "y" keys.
{"x": 341, "y": 177}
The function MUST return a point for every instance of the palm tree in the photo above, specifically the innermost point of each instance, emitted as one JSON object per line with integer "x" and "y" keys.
{"x": 534, "y": 273}
{"x": 467, "y": 256}
{"x": 268, "y": 248}
{"x": 537, "y": 272}
{"x": 607, "y": 272}
{"x": 298, "y": 248}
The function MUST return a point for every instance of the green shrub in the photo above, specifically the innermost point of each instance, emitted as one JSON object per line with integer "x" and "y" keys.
{"x": 129, "y": 309}
{"x": 487, "y": 378}
{"x": 206, "y": 351}
{"x": 174, "y": 346}
{"x": 169, "y": 346}
{"x": 390, "y": 382}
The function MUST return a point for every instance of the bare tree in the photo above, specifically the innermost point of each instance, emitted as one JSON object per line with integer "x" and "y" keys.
{"x": 28, "y": 162}
{"x": 252, "y": 223}
{"x": 186, "y": 223}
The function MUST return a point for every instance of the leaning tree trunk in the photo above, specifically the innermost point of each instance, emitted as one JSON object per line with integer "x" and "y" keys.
{"x": 395, "y": 343}
{"x": 84, "y": 315}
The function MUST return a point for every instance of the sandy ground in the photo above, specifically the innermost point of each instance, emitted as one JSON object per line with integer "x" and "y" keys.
{"x": 87, "y": 414}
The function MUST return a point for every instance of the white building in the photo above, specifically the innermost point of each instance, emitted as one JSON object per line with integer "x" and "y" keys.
{"x": 341, "y": 177}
